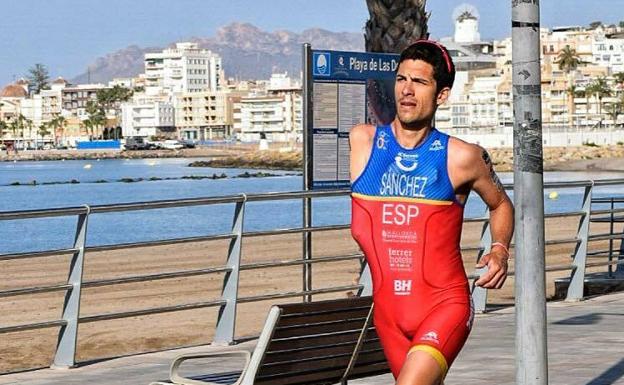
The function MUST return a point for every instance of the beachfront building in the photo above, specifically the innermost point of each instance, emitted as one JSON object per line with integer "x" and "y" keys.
{"x": 183, "y": 69}
{"x": 608, "y": 50}
{"x": 274, "y": 114}
{"x": 205, "y": 115}
{"x": 148, "y": 117}
{"x": 75, "y": 98}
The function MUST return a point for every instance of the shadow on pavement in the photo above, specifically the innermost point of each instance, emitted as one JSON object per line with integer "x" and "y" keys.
{"x": 611, "y": 375}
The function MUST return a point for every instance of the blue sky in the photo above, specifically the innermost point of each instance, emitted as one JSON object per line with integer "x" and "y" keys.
{"x": 67, "y": 35}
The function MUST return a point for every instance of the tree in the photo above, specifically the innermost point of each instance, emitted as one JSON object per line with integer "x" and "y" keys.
{"x": 600, "y": 88}
{"x": 615, "y": 109}
{"x": 571, "y": 92}
{"x": 96, "y": 119}
{"x": 568, "y": 61}
{"x": 39, "y": 77}
{"x": 43, "y": 131}
{"x": 29, "y": 124}
{"x": 588, "y": 93}
{"x": 595, "y": 24}
{"x": 111, "y": 98}
{"x": 392, "y": 26}
{"x": 4, "y": 127}
{"x": 57, "y": 124}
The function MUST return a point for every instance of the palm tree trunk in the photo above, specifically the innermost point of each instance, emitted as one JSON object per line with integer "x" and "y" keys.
{"x": 395, "y": 24}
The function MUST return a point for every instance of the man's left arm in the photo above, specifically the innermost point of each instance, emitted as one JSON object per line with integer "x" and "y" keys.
{"x": 487, "y": 184}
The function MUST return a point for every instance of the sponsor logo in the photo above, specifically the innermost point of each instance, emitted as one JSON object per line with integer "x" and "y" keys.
{"x": 436, "y": 146}
{"x": 406, "y": 162}
{"x": 400, "y": 259}
{"x": 402, "y": 286}
{"x": 398, "y": 184}
{"x": 381, "y": 141}
{"x": 398, "y": 213}
{"x": 322, "y": 61}
{"x": 431, "y": 336}
{"x": 399, "y": 236}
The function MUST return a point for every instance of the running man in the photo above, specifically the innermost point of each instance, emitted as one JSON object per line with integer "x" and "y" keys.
{"x": 409, "y": 186}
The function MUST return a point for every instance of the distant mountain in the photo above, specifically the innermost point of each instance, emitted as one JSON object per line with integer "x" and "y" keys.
{"x": 247, "y": 52}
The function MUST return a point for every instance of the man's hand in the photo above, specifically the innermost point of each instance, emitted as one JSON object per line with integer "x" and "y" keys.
{"x": 496, "y": 261}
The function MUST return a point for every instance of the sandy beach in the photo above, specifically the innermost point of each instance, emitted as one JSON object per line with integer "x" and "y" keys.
{"x": 30, "y": 349}
{"x": 281, "y": 156}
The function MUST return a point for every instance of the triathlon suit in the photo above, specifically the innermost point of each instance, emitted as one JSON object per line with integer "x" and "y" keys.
{"x": 407, "y": 221}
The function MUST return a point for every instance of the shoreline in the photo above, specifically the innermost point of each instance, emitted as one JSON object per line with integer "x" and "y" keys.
{"x": 584, "y": 158}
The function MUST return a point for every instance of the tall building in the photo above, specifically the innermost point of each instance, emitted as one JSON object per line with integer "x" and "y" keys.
{"x": 148, "y": 117}
{"x": 183, "y": 69}
{"x": 75, "y": 98}
{"x": 274, "y": 114}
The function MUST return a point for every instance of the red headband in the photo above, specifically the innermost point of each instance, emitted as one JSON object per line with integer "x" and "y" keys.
{"x": 447, "y": 59}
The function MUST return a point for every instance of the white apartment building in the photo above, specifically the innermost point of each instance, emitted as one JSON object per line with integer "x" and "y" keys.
{"x": 148, "y": 117}
{"x": 272, "y": 117}
{"x": 52, "y": 100}
{"x": 183, "y": 69}
{"x": 608, "y": 52}
{"x": 273, "y": 113}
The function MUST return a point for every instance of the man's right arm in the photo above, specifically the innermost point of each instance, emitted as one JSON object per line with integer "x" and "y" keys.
{"x": 360, "y": 141}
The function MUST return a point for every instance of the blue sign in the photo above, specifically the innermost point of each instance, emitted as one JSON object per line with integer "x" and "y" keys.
{"x": 344, "y": 65}
{"x": 321, "y": 64}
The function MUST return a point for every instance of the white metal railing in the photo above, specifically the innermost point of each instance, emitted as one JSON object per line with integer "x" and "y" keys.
{"x": 225, "y": 326}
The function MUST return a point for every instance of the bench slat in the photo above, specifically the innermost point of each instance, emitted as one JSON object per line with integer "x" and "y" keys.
{"x": 302, "y": 353}
{"x": 328, "y": 369}
{"x": 337, "y": 304}
{"x": 324, "y": 316}
{"x": 305, "y": 330}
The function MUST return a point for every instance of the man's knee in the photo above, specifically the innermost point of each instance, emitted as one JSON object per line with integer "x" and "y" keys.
{"x": 422, "y": 367}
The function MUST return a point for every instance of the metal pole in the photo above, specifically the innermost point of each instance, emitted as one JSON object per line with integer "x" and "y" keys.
{"x": 479, "y": 294}
{"x": 65, "y": 356}
{"x": 531, "y": 352}
{"x": 307, "y": 172}
{"x": 226, "y": 319}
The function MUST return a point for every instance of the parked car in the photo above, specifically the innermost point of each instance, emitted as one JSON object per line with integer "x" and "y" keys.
{"x": 136, "y": 143}
{"x": 188, "y": 143}
{"x": 172, "y": 144}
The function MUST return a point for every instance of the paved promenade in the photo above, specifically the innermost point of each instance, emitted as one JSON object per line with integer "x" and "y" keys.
{"x": 585, "y": 343}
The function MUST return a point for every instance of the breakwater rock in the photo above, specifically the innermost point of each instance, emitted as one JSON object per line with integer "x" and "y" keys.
{"x": 581, "y": 158}
{"x": 274, "y": 160}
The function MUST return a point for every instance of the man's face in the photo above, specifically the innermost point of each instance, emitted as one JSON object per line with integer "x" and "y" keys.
{"x": 415, "y": 92}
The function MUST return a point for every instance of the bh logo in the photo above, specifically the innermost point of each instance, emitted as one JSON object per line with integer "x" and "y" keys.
{"x": 402, "y": 286}
{"x": 321, "y": 65}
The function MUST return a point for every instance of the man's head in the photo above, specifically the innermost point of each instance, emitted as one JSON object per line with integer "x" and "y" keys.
{"x": 435, "y": 54}
{"x": 423, "y": 82}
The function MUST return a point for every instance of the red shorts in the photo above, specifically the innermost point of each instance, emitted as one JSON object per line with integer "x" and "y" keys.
{"x": 441, "y": 332}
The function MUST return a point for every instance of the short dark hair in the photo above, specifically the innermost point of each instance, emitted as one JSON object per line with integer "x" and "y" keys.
{"x": 435, "y": 54}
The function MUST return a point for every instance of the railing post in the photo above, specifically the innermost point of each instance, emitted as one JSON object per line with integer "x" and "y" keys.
{"x": 65, "y": 356}
{"x": 226, "y": 321}
{"x": 479, "y": 294}
{"x": 307, "y": 248}
{"x": 577, "y": 276}
{"x": 365, "y": 280}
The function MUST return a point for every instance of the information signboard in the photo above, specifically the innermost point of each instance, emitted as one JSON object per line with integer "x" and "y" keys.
{"x": 346, "y": 89}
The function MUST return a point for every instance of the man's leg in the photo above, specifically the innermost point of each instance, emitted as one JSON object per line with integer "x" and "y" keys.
{"x": 420, "y": 368}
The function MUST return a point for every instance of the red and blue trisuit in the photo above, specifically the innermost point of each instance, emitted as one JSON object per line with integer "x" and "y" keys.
{"x": 407, "y": 221}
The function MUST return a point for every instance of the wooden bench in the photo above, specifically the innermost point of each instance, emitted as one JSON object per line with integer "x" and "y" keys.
{"x": 322, "y": 342}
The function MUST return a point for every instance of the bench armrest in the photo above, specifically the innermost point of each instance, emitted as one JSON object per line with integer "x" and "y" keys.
{"x": 176, "y": 378}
